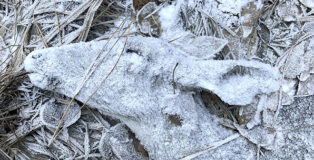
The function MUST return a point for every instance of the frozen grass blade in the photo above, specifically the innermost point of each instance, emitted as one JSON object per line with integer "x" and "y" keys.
{"x": 86, "y": 143}
{"x": 41, "y": 35}
{"x": 58, "y": 23}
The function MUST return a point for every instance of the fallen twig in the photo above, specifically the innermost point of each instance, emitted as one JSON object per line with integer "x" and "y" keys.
{"x": 173, "y": 82}
{"x": 212, "y": 146}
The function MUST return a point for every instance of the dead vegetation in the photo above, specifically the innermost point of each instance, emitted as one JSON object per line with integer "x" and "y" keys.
{"x": 27, "y": 26}
{"x": 274, "y": 32}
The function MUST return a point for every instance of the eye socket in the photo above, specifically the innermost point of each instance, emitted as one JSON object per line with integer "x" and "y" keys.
{"x": 175, "y": 119}
{"x": 36, "y": 56}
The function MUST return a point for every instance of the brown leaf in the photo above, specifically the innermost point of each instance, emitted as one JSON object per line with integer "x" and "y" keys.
{"x": 138, "y": 4}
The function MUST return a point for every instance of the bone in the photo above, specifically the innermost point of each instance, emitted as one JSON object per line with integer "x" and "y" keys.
{"x": 158, "y": 101}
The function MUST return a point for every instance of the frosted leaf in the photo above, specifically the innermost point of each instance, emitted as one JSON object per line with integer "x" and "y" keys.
{"x": 249, "y": 16}
{"x": 309, "y": 58}
{"x": 51, "y": 113}
{"x": 288, "y": 11}
{"x": 299, "y": 65}
{"x": 117, "y": 142}
{"x": 308, "y": 27}
{"x": 204, "y": 47}
{"x": 223, "y": 12}
{"x": 293, "y": 65}
{"x": 122, "y": 145}
{"x": 306, "y": 88}
{"x": 104, "y": 145}
{"x": 265, "y": 137}
{"x": 26, "y": 112}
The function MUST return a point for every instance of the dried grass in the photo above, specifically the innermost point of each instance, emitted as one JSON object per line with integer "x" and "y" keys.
{"x": 26, "y": 26}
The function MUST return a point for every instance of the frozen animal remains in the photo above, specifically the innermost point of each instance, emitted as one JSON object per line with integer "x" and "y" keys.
{"x": 140, "y": 91}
